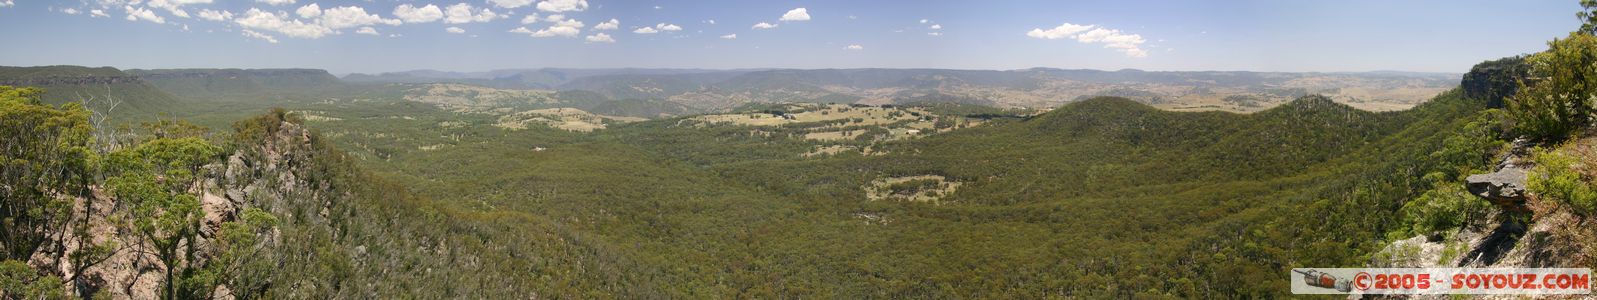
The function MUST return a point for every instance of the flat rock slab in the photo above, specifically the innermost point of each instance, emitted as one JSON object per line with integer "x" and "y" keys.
{"x": 1506, "y": 186}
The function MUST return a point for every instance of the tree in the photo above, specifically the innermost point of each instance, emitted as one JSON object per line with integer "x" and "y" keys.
{"x": 43, "y": 161}
{"x": 1558, "y": 97}
{"x": 155, "y": 178}
{"x": 238, "y": 259}
{"x": 1588, "y": 16}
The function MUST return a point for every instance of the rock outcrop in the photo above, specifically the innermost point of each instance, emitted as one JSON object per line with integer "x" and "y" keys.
{"x": 1523, "y": 232}
{"x": 1506, "y": 186}
{"x": 270, "y": 176}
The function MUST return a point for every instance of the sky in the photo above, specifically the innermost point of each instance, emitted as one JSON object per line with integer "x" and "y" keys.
{"x": 369, "y": 36}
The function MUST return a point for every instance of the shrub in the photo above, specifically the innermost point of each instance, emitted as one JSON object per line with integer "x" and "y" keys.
{"x": 1557, "y": 176}
{"x": 1557, "y": 99}
{"x": 1445, "y": 207}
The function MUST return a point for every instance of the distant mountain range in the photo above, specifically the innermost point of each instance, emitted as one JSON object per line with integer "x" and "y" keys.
{"x": 665, "y": 92}
{"x": 1036, "y": 87}
{"x": 546, "y": 78}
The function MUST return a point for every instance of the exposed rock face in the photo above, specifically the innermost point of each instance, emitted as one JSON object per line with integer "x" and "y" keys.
{"x": 263, "y": 177}
{"x": 1495, "y": 80}
{"x": 73, "y": 80}
{"x": 1506, "y": 187}
{"x": 1502, "y": 238}
{"x": 207, "y": 73}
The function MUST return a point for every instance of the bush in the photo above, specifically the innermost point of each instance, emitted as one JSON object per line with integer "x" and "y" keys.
{"x": 1473, "y": 147}
{"x": 913, "y": 186}
{"x": 1445, "y": 207}
{"x": 1558, "y": 176}
{"x": 1557, "y": 99}
{"x": 19, "y": 281}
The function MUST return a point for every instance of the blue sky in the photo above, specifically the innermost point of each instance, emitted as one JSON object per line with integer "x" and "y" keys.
{"x": 1433, "y": 36}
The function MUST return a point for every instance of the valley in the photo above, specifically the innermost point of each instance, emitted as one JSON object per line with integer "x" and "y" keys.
{"x": 722, "y": 203}
{"x": 595, "y": 149}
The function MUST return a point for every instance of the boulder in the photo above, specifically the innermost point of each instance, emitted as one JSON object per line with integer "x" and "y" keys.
{"x": 1506, "y": 186}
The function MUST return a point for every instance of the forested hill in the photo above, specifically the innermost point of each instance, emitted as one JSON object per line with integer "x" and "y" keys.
{"x": 238, "y": 81}
{"x": 1096, "y": 198}
{"x": 104, "y": 89}
{"x": 1101, "y": 198}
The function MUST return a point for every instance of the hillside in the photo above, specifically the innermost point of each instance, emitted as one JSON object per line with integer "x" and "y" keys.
{"x": 237, "y": 81}
{"x": 602, "y": 149}
{"x": 105, "y": 90}
{"x": 797, "y": 199}
{"x": 808, "y": 220}
{"x": 833, "y": 199}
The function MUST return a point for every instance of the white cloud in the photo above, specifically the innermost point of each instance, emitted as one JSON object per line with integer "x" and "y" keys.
{"x": 464, "y": 13}
{"x": 174, "y": 6}
{"x": 711, "y": 21}
{"x": 764, "y": 25}
{"x": 276, "y": 2}
{"x": 453, "y": 29}
{"x": 140, "y": 13}
{"x": 797, "y": 14}
{"x": 854, "y": 47}
{"x": 554, "y": 18}
{"x": 352, "y": 16}
{"x": 853, "y": 17}
{"x": 529, "y": 19}
{"x": 570, "y": 23}
{"x": 510, "y": 3}
{"x": 424, "y": 14}
{"x": 552, "y": 31}
{"x": 657, "y": 28}
{"x": 309, "y": 11}
{"x": 934, "y": 33}
{"x": 1063, "y": 31}
{"x": 563, "y": 5}
{"x": 612, "y": 24}
{"x": 730, "y": 36}
{"x": 600, "y": 38}
{"x": 69, "y": 10}
{"x": 562, "y": 28}
{"x": 923, "y": 21}
{"x": 261, "y": 36}
{"x": 368, "y": 30}
{"x": 215, "y": 15}
{"x": 936, "y": 26}
{"x": 1113, "y": 38}
{"x": 1130, "y": 44}
{"x": 7, "y": 3}
{"x": 281, "y": 23}
{"x": 95, "y": 13}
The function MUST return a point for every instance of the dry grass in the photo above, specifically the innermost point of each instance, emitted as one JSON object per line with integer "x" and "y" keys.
{"x": 880, "y": 189}
{"x": 460, "y": 97}
{"x": 563, "y": 118}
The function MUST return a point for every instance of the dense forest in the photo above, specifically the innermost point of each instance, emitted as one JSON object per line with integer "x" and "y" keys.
{"x": 292, "y": 184}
